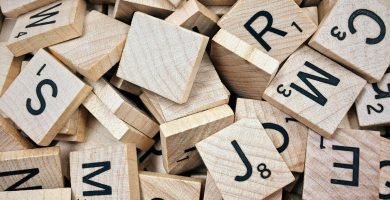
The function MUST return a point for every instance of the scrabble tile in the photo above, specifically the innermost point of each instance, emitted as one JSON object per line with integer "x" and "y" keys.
{"x": 97, "y": 50}
{"x": 276, "y": 27}
{"x": 384, "y": 188}
{"x": 152, "y": 160}
{"x": 312, "y": 12}
{"x": 211, "y": 191}
{"x": 195, "y": 16}
{"x": 207, "y": 92}
{"x": 178, "y": 137}
{"x": 105, "y": 173}
{"x": 287, "y": 134}
{"x": 125, "y": 86}
{"x": 353, "y": 34}
{"x": 6, "y": 29}
{"x": 11, "y": 139}
{"x": 125, "y": 109}
{"x": 75, "y": 128}
{"x": 373, "y": 103}
{"x": 43, "y": 109}
{"x": 343, "y": 167}
{"x": 169, "y": 73}
{"x": 232, "y": 154}
{"x": 30, "y": 169}
{"x": 57, "y": 193}
{"x": 219, "y": 10}
{"x": 14, "y": 8}
{"x": 245, "y": 70}
{"x": 218, "y": 2}
{"x": 9, "y": 67}
{"x": 57, "y": 22}
{"x": 118, "y": 128}
{"x": 314, "y": 90}
{"x": 165, "y": 186}
{"x": 124, "y": 9}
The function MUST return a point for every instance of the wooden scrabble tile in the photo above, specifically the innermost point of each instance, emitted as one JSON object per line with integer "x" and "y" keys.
{"x": 287, "y": 134}
{"x": 9, "y": 67}
{"x": 312, "y": 12}
{"x": 118, "y": 128}
{"x": 169, "y": 73}
{"x": 230, "y": 153}
{"x": 105, "y": 173}
{"x": 165, "y": 186}
{"x": 124, "y": 9}
{"x": 219, "y": 10}
{"x": 384, "y": 187}
{"x": 6, "y": 29}
{"x": 207, "y": 92}
{"x": 11, "y": 139}
{"x": 57, "y": 193}
{"x": 355, "y": 34}
{"x": 30, "y": 169}
{"x": 125, "y": 86}
{"x": 195, "y": 16}
{"x": 14, "y": 8}
{"x": 178, "y": 137}
{"x": 125, "y": 109}
{"x": 57, "y": 22}
{"x": 42, "y": 110}
{"x": 211, "y": 191}
{"x": 343, "y": 167}
{"x": 276, "y": 27}
{"x": 152, "y": 160}
{"x": 373, "y": 103}
{"x": 218, "y": 2}
{"x": 245, "y": 70}
{"x": 97, "y": 50}
{"x": 314, "y": 90}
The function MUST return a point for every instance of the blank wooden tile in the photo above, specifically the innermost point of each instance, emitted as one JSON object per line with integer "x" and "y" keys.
{"x": 165, "y": 186}
{"x": 118, "y": 128}
{"x": 11, "y": 138}
{"x": 57, "y": 193}
{"x": 344, "y": 167}
{"x": 124, "y": 9}
{"x": 105, "y": 173}
{"x": 312, "y": 12}
{"x": 125, "y": 109}
{"x": 219, "y": 10}
{"x": 57, "y": 22}
{"x": 207, "y": 92}
{"x": 125, "y": 86}
{"x": 9, "y": 67}
{"x": 14, "y": 8}
{"x": 43, "y": 97}
{"x": 6, "y": 29}
{"x": 170, "y": 72}
{"x": 355, "y": 36}
{"x": 152, "y": 159}
{"x": 195, "y": 16}
{"x": 245, "y": 70}
{"x": 211, "y": 191}
{"x": 384, "y": 174}
{"x": 218, "y": 2}
{"x": 30, "y": 169}
{"x": 373, "y": 104}
{"x": 314, "y": 90}
{"x": 97, "y": 50}
{"x": 288, "y": 135}
{"x": 178, "y": 137}
{"x": 234, "y": 153}
{"x": 276, "y": 27}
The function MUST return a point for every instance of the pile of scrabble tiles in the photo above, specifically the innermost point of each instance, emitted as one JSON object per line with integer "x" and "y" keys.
{"x": 195, "y": 99}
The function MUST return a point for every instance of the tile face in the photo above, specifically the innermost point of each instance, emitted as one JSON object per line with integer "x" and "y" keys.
{"x": 11, "y": 138}
{"x": 287, "y": 134}
{"x": 43, "y": 97}
{"x": 165, "y": 186}
{"x": 354, "y": 34}
{"x": 314, "y": 90}
{"x": 169, "y": 58}
{"x": 30, "y": 169}
{"x": 344, "y": 167}
{"x": 105, "y": 173}
{"x": 245, "y": 70}
{"x": 243, "y": 161}
{"x": 384, "y": 188}
{"x": 373, "y": 104}
{"x": 57, "y": 193}
{"x": 57, "y": 22}
{"x": 276, "y": 27}
{"x": 14, "y": 8}
{"x": 97, "y": 50}
{"x": 178, "y": 137}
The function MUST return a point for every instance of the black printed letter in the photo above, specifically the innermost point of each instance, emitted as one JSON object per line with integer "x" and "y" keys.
{"x": 354, "y": 166}
{"x": 43, "y": 15}
{"x": 106, "y": 190}
{"x": 31, "y": 173}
